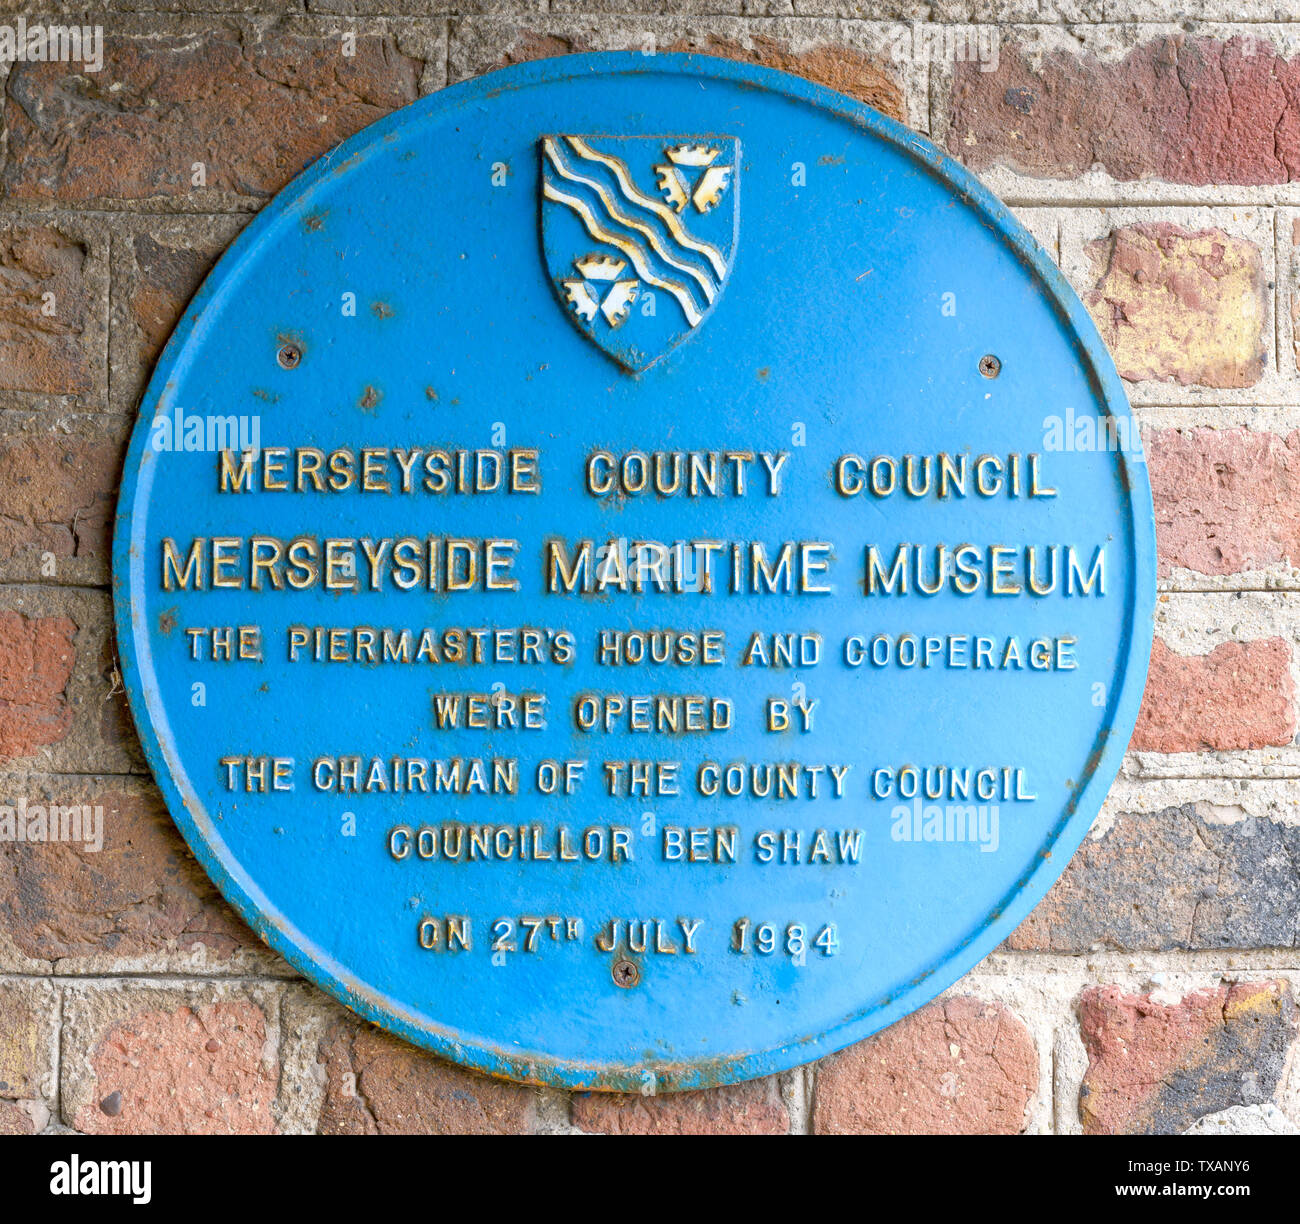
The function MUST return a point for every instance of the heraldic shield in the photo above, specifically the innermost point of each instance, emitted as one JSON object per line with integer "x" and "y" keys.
{"x": 639, "y": 234}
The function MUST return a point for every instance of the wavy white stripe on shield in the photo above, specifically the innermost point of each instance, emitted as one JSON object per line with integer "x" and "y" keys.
{"x": 629, "y": 248}
{"x": 618, "y": 216}
{"x": 661, "y": 210}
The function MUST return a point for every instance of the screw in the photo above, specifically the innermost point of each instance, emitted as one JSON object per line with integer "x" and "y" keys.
{"x": 626, "y": 974}
{"x": 990, "y": 366}
{"x": 289, "y": 356}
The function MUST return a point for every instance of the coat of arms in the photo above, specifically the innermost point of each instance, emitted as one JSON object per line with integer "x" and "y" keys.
{"x": 638, "y": 234}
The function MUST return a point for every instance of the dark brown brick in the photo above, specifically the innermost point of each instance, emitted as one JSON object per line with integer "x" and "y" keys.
{"x": 61, "y": 697}
{"x": 51, "y": 341}
{"x": 58, "y": 488}
{"x": 169, "y": 276}
{"x": 140, "y": 898}
{"x": 866, "y": 77}
{"x": 840, "y": 68}
{"x": 532, "y": 45}
{"x": 158, "y": 266}
{"x": 254, "y": 110}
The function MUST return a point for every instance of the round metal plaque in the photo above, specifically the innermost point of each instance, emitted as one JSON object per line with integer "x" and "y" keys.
{"x": 634, "y": 572}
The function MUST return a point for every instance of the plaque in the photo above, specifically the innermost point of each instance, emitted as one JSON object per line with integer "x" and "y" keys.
{"x": 634, "y": 573}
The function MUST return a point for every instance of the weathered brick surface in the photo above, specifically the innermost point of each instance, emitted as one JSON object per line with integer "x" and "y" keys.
{"x": 254, "y": 110}
{"x": 1226, "y": 500}
{"x": 53, "y": 292}
{"x": 1185, "y": 297}
{"x": 1156, "y": 1067}
{"x": 1181, "y": 306}
{"x": 140, "y": 901}
{"x": 837, "y": 67}
{"x": 377, "y": 1085}
{"x": 958, "y": 1066}
{"x": 169, "y": 274}
{"x": 189, "y": 1060}
{"x": 1238, "y": 696}
{"x": 23, "y": 1117}
{"x": 28, "y": 1022}
{"x": 829, "y": 53}
{"x": 1173, "y": 879}
{"x": 62, "y": 707}
{"x": 158, "y": 266}
{"x": 214, "y": 6}
{"x": 752, "y": 1108}
{"x": 36, "y": 661}
{"x": 1178, "y": 107}
{"x": 58, "y": 488}
{"x": 1295, "y": 290}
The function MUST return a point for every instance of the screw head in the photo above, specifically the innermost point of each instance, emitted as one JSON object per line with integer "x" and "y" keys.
{"x": 288, "y": 356}
{"x": 990, "y": 366}
{"x": 626, "y": 973}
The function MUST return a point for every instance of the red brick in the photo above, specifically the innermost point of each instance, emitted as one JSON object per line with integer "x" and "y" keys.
{"x": 1239, "y": 696}
{"x": 36, "y": 661}
{"x": 1185, "y": 109}
{"x": 140, "y": 897}
{"x": 77, "y": 723}
{"x": 255, "y": 111}
{"x": 1181, "y": 306}
{"x": 190, "y": 1069}
{"x": 959, "y": 1066}
{"x": 377, "y": 1085}
{"x": 752, "y": 1108}
{"x": 1226, "y": 500}
{"x": 47, "y": 337}
{"x": 1155, "y": 1068}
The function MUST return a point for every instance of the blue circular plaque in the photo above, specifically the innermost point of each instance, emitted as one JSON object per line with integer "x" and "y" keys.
{"x": 634, "y": 572}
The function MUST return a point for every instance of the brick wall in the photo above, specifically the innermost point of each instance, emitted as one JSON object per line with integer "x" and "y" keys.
{"x": 1155, "y": 157}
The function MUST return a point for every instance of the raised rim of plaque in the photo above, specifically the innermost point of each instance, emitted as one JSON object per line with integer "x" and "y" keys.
{"x": 313, "y": 961}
